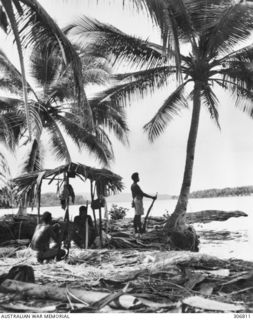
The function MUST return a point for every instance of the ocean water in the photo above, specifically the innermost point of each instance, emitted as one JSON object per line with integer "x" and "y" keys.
{"x": 235, "y": 235}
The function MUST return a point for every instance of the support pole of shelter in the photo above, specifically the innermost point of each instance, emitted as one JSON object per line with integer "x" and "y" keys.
{"x": 92, "y": 199}
{"x": 38, "y": 204}
{"x": 86, "y": 233}
{"x": 39, "y": 183}
{"x": 98, "y": 187}
{"x": 100, "y": 227}
{"x": 66, "y": 217}
{"x": 86, "y": 229}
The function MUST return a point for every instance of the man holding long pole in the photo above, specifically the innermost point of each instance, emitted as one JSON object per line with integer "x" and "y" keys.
{"x": 138, "y": 195}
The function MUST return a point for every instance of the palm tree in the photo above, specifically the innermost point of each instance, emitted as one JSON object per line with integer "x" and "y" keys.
{"x": 31, "y": 24}
{"x": 54, "y": 108}
{"x": 213, "y": 30}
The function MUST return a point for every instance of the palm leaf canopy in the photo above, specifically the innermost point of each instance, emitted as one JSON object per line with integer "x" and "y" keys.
{"x": 104, "y": 179}
{"x": 212, "y": 29}
{"x": 32, "y": 25}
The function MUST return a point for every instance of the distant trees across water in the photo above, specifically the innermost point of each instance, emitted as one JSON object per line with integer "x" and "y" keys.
{"x": 225, "y": 192}
{"x": 51, "y": 199}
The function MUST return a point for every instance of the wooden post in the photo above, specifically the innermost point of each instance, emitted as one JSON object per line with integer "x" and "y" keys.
{"x": 100, "y": 227}
{"x": 92, "y": 199}
{"x": 86, "y": 233}
{"x": 38, "y": 204}
{"x": 66, "y": 217}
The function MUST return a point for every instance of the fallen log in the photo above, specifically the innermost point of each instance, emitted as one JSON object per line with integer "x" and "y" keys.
{"x": 52, "y": 292}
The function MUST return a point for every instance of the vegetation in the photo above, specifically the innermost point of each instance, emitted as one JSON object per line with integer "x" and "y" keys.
{"x": 116, "y": 212}
{"x": 225, "y": 192}
{"x": 54, "y": 110}
{"x": 30, "y": 25}
{"x": 212, "y": 30}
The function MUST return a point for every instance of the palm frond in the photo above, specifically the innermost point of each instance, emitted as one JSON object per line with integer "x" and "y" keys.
{"x": 110, "y": 116}
{"x": 11, "y": 125}
{"x": 238, "y": 72}
{"x": 233, "y": 24}
{"x": 11, "y": 78}
{"x": 58, "y": 143}
{"x": 95, "y": 76}
{"x": 34, "y": 158}
{"x": 170, "y": 108}
{"x": 44, "y": 65}
{"x": 244, "y": 54}
{"x": 5, "y": 169}
{"x": 9, "y": 10}
{"x": 162, "y": 73}
{"x": 83, "y": 139}
{"x": 136, "y": 84}
{"x": 211, "y": 101}
{"x": 103, "y": 137}
{"x": 93, "y": 36}
{"x": 94, "y": 62}
{"x": 243, "y": 97}
{"x": 182, "y": 10}
{"x": 60, "y": 90}
{"x": 37, "y": 27}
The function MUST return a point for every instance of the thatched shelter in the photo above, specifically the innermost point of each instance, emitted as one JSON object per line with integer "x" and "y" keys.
{"x": 103, "y": 183}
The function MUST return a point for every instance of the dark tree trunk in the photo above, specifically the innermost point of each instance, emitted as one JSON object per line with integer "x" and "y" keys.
{"x": 176, "y": 223}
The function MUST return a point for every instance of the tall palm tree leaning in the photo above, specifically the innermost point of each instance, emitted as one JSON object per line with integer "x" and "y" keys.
{"x": 53, "y": 107}
{"x": 53, "y": 104}
{"x": 30, "y": 22}
{"x": 213, "y": 30}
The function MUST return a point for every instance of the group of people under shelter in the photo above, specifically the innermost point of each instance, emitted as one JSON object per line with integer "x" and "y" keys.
{"x": 83, "y": 231}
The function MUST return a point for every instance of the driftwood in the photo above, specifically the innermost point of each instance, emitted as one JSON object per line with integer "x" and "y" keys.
{"x": 96, "y": 281}
{"x": 51, "y": 292}
{"x": 211, "y": 305}
{"x": 90, "y": 299}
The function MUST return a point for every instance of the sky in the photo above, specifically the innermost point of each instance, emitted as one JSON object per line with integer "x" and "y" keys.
{"x": 224, "y": 158}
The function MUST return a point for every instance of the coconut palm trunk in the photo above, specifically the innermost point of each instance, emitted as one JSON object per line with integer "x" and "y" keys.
{"x": 176, "y": 221}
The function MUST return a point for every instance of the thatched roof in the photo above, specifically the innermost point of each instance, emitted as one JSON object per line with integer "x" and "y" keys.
{"x": 103, "y": 178}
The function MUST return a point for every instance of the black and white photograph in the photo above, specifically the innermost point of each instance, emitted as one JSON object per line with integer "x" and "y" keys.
{"x": 126, "y": 158}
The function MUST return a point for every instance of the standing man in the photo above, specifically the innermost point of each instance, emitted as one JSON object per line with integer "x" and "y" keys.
{"x": 138, "y": 195}
{"x": 42, "y": 236}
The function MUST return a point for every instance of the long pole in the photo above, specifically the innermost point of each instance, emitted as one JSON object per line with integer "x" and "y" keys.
{"x": 146, "y": 218}
{"x": 92, "y": 199}
{"x": 100, "y": 227}
{"x": 86, "y": 233}
{"x": 66, "y": 217}
{"x": 38, "y": 204}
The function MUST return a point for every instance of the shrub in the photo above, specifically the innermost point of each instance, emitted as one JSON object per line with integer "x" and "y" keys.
{"x": 117, "y": 213}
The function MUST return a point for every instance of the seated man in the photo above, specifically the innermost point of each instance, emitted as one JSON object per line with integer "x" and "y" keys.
{"x": 44, "y": 232}
{"x": 79, "y": 234}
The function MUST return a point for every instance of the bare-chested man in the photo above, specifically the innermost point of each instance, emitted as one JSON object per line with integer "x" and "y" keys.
{"x": 42, "y": 236}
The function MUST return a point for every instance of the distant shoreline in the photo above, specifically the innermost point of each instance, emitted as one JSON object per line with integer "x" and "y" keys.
{"x": 50, "y": 199}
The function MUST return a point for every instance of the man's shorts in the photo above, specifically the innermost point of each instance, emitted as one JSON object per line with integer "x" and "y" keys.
{"x": 138, "y": 206}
